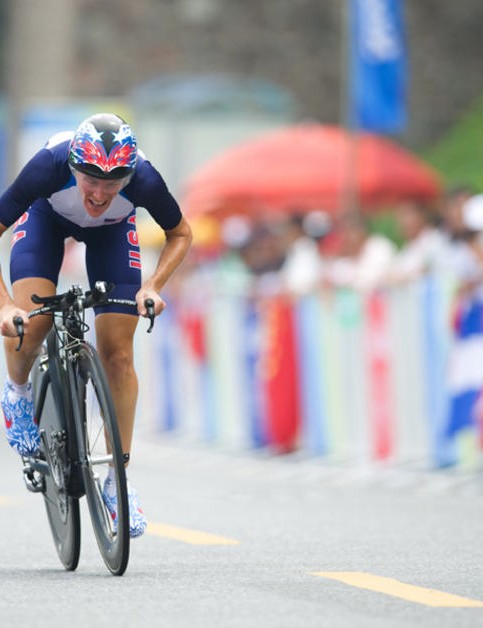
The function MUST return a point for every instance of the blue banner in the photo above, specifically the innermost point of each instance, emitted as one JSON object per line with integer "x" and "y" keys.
{"x": 378, "y": 66}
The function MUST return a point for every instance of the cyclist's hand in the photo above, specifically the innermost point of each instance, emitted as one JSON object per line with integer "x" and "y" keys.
{"x": 148, "y": 293}
{"x": 7, "y": 314}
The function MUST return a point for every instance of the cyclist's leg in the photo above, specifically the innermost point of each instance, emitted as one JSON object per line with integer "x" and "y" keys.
{"x": 35, "y": 260}
{"x": 20, "y": 362}
{"x": 17, "y": 401}
{"x": 37, "y": 250}
{"x": 112, "y": 254}
{"x": 114, "y": 334}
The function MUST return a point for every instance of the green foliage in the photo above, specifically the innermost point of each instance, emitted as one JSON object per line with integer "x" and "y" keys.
{"x": 385, "y": 224}
{"x": 459, "y": 154}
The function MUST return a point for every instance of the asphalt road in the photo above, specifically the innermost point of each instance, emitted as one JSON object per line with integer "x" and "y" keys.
{"x": 238, "y": 540}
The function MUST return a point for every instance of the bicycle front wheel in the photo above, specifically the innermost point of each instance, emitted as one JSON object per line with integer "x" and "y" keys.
{"x": 100, "y": 451}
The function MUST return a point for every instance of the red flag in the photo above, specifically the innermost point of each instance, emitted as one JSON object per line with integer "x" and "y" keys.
{"x": 379, "y": 378}
{"x": 280, "y": 375}
{"x": 193, "y": 325}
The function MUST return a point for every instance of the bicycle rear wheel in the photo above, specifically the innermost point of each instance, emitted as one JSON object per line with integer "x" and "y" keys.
{"x": 52, "y": 409}
{"x": 100, "y": 448}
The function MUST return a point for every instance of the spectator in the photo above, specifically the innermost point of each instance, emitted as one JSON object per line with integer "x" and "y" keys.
{"x": 363, "y": 258}
{"x": 467, "y": 255}
{"x": 301, "y": 270}
{"x": 263, "y": 256}
{"x": 424, "y": 247}
{"x": 465, "y": 379}
{"x": 457, "y": 235}
{"x": 451, "y": 215}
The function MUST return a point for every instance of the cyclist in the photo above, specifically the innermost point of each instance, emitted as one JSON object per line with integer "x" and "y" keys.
{"x": 86, "y": 185}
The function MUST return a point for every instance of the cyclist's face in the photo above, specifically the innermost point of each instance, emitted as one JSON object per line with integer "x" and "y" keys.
{"x": 97, "y": 194}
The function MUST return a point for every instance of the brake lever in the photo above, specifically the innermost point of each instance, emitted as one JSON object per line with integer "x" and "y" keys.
{"x": 18, "y": 322}
{"x": 149, "y": 305}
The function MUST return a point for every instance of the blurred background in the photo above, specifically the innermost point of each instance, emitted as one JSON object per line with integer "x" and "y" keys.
{"x": 268, "y": 63}
{"x": 325, "y": 154}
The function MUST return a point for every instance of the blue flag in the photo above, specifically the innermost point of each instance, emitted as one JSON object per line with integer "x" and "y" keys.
{"x": 378, "y": 66}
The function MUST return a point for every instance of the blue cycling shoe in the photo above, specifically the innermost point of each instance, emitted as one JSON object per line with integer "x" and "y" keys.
{"x": 137, "y": 520}
{"x": 20, "y": 427}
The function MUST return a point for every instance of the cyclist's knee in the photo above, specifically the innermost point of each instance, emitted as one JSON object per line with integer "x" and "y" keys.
{"x": 118, "y": 361}
{"x": 115, "y": 344}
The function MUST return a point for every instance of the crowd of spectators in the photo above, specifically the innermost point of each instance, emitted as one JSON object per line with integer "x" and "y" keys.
{"x": 305, "y": 253}
{"x": 301, "y": 252}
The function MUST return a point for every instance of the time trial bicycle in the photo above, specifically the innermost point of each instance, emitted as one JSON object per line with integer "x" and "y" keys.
{"x": 78, "y": 428}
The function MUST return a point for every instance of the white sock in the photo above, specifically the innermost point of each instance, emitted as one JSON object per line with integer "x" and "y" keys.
{"x": 19, "y": 389}
{"x": 110, "y": 474}
{"x": 112, "y": 479}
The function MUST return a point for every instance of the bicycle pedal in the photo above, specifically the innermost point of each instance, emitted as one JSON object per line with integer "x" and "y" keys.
{"x": 33, "y": 481}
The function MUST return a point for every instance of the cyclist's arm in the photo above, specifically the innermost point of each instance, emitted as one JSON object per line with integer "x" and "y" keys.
{"x": 178, "y": 242}
{"x": 8, "y": 310}
{"x": 44, "y": 174}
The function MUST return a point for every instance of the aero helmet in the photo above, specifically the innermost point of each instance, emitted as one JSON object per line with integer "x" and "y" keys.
{"x": 104, "y": 147}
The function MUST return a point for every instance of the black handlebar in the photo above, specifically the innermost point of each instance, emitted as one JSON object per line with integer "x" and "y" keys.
{"x": 94, "y": 298}
{"x": 18, "y": 322}
{"x": 149, "y": 305}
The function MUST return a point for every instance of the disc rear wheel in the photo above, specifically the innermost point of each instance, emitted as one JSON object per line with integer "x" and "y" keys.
{"x": 52, "y": 408}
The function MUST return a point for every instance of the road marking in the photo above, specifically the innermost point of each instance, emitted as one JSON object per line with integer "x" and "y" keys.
{"x": 8, "y": 501}
{"x": 409, "y": 592}
{"x": 193, "y": 537}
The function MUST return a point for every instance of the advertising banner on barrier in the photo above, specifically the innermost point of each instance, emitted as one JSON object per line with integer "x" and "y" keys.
{"x": 354, "y": 378}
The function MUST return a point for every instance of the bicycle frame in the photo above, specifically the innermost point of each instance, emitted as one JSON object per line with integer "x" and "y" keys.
{"x": 58, "y": 346}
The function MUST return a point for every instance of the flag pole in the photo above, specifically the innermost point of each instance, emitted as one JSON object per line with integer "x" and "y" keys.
{"x": 348, "y": 201}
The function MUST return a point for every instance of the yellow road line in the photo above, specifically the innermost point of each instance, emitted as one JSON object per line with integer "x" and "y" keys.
{"x": 8, "y": 501}
{"x": 193, "y": 537}
{"x": 409, "y": 592}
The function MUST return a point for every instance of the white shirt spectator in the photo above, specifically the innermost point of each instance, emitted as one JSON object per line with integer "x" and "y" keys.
{"x": 301, "y": 271}
{"x": 366, "y": 271}
{"x": 426, "y": 252}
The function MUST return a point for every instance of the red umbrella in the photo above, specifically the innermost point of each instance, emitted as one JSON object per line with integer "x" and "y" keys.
{"x": 309, "y": 167}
